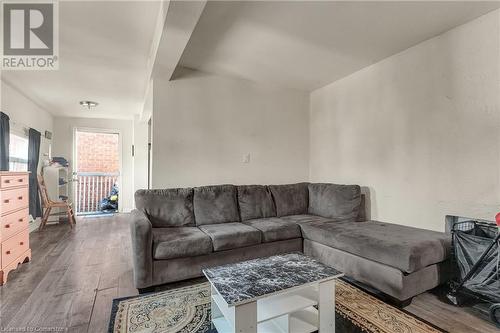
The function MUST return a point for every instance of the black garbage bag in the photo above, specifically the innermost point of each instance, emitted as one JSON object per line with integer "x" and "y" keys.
{"x": 110, "y": 203}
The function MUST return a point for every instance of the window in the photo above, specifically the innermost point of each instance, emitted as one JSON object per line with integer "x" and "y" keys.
{"x": 18, "y": 151}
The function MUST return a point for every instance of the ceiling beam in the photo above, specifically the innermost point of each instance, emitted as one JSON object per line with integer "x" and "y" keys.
{"x": 175, "y": 25}
{"x": 181, "y": 19}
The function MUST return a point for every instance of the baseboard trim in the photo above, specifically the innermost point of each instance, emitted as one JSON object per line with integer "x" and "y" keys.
{"x": 34, "y": 224}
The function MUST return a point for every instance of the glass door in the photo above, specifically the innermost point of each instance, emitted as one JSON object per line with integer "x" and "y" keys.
{"x": 96, "y": 172}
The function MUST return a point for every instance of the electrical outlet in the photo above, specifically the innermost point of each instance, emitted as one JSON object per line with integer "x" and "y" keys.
{"x": 246, "y": 158}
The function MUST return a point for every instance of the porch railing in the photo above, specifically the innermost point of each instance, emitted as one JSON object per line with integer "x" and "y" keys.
{"x": 92, "y": 187}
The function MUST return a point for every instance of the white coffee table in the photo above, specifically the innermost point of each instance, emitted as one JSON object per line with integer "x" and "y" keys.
{"x": 283, "y": 293}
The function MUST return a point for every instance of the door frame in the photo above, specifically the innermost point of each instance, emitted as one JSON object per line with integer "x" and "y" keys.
{"x": 74, "y": 167}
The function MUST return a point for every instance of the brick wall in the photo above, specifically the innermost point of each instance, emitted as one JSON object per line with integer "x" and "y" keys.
{"x": 98, "y": 152}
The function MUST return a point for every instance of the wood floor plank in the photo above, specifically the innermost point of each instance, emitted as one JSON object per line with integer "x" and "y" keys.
{"x": 55, "y": 311}
{"x": 24, "y": 280}
{"x": 81, "y": 309}
{"x": 126, "y": 284}
{"x": 78, "y": 329}
{"x": 76, "y": 273}
{"x": 448, "y": 317}
{"x": 102, "y": 309}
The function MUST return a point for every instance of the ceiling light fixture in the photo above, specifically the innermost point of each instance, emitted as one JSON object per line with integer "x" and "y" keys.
{"x": 89, "y": 104}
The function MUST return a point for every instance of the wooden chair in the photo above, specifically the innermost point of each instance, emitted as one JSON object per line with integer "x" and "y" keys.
{"x": 48, "y": 204}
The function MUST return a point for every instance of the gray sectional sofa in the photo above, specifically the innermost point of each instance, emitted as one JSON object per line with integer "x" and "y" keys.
{"x": 178, "y": 232}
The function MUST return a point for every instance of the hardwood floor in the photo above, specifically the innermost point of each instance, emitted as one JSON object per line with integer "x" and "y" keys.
{"x": 72, "y": 278}
{"x": 75, "y": 274}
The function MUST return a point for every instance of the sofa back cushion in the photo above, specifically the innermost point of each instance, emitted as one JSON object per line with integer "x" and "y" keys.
{"x": 290, "y": 199}
{"x": 215, "y": 204}
{"x": 338, "y": 202}
{"x": 167, "y": 208}
{"x": 255, "y": 202}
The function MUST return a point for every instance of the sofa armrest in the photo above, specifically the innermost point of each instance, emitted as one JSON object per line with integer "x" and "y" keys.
{"x": 142, "y": 249}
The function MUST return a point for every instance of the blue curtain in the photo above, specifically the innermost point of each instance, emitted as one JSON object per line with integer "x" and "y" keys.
{"x": 33, "y": 156}
{"x": 4, "y": 141}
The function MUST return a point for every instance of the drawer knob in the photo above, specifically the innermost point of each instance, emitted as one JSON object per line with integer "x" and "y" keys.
{"x": 21, "y": 220}
{"x": 7, "y": 226}
{"x": 7, "y": 252}
{"x": 20, "y": 198}
{"x": 20, "y": 180}
{"x": 7, "y": 181}
{"x": 21, "y": 243}
{"x": 6, "y": 201}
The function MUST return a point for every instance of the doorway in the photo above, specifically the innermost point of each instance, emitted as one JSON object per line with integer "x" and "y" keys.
{"x": 97, "y": 170}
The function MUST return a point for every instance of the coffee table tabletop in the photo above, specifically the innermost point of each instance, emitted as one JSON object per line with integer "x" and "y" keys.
{"x": 250, "y": 280}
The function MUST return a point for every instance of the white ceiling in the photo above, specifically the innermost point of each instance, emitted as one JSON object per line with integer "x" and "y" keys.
{"x": 306, "y": 45}
{"x": 103, "y": 53}
{"x": 105, "y": 46}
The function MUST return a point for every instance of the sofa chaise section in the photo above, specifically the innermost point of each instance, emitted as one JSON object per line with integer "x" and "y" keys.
{"x": 398, "y": 260}
{"x": 405, "y": 248}
{"x": 390, "y": 280}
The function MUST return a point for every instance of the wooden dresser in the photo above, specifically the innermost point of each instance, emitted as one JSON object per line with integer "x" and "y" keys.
{"x": 14, "y": 219}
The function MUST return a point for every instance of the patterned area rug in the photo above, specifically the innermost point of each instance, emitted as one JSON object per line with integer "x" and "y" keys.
{"x": 187, "y": 310}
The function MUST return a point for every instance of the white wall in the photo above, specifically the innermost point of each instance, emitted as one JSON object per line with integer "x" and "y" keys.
{"x": 421, "y": 129}
{"x": 141, "y": 141}
{"x": 140, "y": 154}
{"x": 204, "y": 124}
{"x": 23, "y": 112}
{"x": 63, "y": 146}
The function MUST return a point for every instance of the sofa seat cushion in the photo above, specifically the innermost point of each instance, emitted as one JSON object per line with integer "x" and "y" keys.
{"x": 304, "y": 218}
{"x": 215, "y": 204}
{"x": 406, "y": 248}
{"x": 167, "y": 208}
{"x": 275, "y": 229}
{"x": 290, "y": 199}
{"x": 226, "y": 236}
{"x": 255, "y": 202}
{"x": 338, "y": 202}
{"x": 169, "y": 243}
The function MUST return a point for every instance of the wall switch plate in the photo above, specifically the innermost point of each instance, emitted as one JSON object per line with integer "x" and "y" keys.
{"x": 246, "y": 158}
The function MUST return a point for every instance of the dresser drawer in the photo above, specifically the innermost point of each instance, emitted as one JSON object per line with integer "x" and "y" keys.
{"x": 15, "y": 246}
{"x": 10, "y": 181}
{"x": 14, "y": 199}
{"x": 13, "y": 223}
